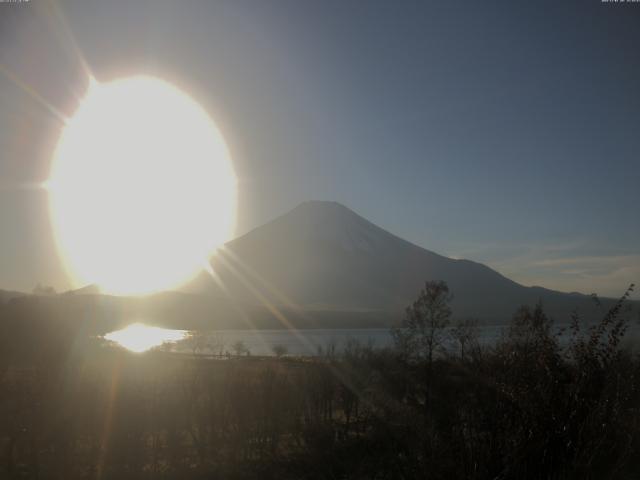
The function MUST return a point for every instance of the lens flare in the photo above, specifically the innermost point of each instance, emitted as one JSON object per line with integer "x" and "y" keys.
{"x": 142, "y": 190}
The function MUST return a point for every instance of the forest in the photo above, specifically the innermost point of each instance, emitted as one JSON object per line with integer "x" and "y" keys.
{"x": 530, "y": 406}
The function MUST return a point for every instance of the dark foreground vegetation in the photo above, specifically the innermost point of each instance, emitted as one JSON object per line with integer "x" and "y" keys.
{"x": 529, "y": 407}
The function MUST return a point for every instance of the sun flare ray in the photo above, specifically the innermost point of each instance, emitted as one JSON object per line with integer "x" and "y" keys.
{"x": 141, "y": 189}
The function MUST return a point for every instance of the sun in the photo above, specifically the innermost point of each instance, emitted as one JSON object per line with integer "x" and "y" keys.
{"x": 142, "y": 190}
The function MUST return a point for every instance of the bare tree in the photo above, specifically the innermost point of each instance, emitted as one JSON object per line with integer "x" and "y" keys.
{"x": 465, "y": 333}
{"x": 422, "y": 331}
{"x": 217, "y": 344}
{"x": 44, "y": 290}
{"x": 279, "y": 350}
{"x": 197, "y": 341}
{"x": 239, "y": 348}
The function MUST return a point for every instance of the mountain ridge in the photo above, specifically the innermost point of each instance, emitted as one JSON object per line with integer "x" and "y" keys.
{"x": 320, "y": 265}
{"x": 323, "y": 253}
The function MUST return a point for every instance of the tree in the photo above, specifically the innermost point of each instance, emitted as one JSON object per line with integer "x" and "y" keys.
{"x": 44, "y": 290}
{"x": 466, "y": 334}
{"x": 197, "y": 341}
{"x": 422, "y": 331}
{"x": 217, "y": 344}
{"x": 239, "y": 348}
{"x": 279, "y": 350}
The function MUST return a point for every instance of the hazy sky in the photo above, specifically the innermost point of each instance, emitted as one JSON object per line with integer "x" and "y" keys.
{"x": 504, "y": 132}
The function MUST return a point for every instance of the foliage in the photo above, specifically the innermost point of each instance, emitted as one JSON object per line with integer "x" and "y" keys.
{"x": 537, "y": 404}
{"x": 422, "y": 332}
{"x": 240, "y": 348}
{"x": 279, "y": 350}
{"x": 466, "y": 334}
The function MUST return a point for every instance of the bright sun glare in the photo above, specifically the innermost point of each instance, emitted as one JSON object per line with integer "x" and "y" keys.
{"x": 140, "y": 338}
{"x": 142, "y": 190}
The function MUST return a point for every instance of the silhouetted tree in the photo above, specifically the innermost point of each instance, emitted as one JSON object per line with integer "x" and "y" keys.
{"x": 44, "y": 290}
{"x": 197, "y": 341}
{"x": 530, "y": 407}
{"x": 239, "y": 348}
{"x": 279, "y": 350}
{"x": 423, "y": 330}
{"x": 465, "y": 333}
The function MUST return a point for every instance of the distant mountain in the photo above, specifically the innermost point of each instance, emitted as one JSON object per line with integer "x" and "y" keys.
{"x": 86, "y": 290}
{"x": 6, "y": 295}
{"x": 319, "y": 266}
{"x": 322, "y": 258}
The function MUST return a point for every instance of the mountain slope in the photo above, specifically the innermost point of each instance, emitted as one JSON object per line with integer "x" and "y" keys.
{"x": 6, "y": 295}
{"x": 319, "y": 266}
{"x": 321, "y": 257}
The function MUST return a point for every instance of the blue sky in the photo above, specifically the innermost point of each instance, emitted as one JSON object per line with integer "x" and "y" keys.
{"x": 504, "y": 132}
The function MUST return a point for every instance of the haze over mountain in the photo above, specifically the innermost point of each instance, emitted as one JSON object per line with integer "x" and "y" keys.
{"x": 320, "y": 265}
{"x": 6, "y": 295}
{"x": 322, "y": 256}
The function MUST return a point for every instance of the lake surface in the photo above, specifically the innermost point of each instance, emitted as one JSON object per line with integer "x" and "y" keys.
{"x": 294, "y": 342}
{"x": 139, "y": 338}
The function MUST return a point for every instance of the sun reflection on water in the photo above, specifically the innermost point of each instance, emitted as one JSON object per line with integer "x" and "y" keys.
{"x": 139, "y": 337}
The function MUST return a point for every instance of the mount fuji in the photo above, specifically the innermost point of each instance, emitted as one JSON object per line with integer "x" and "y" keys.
{"x": 323, "y": 261}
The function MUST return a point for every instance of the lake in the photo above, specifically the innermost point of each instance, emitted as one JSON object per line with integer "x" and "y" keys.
{"x": 140, "y": 337}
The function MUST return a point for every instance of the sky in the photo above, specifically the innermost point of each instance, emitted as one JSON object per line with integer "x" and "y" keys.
{"x": 503, "y": 132}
